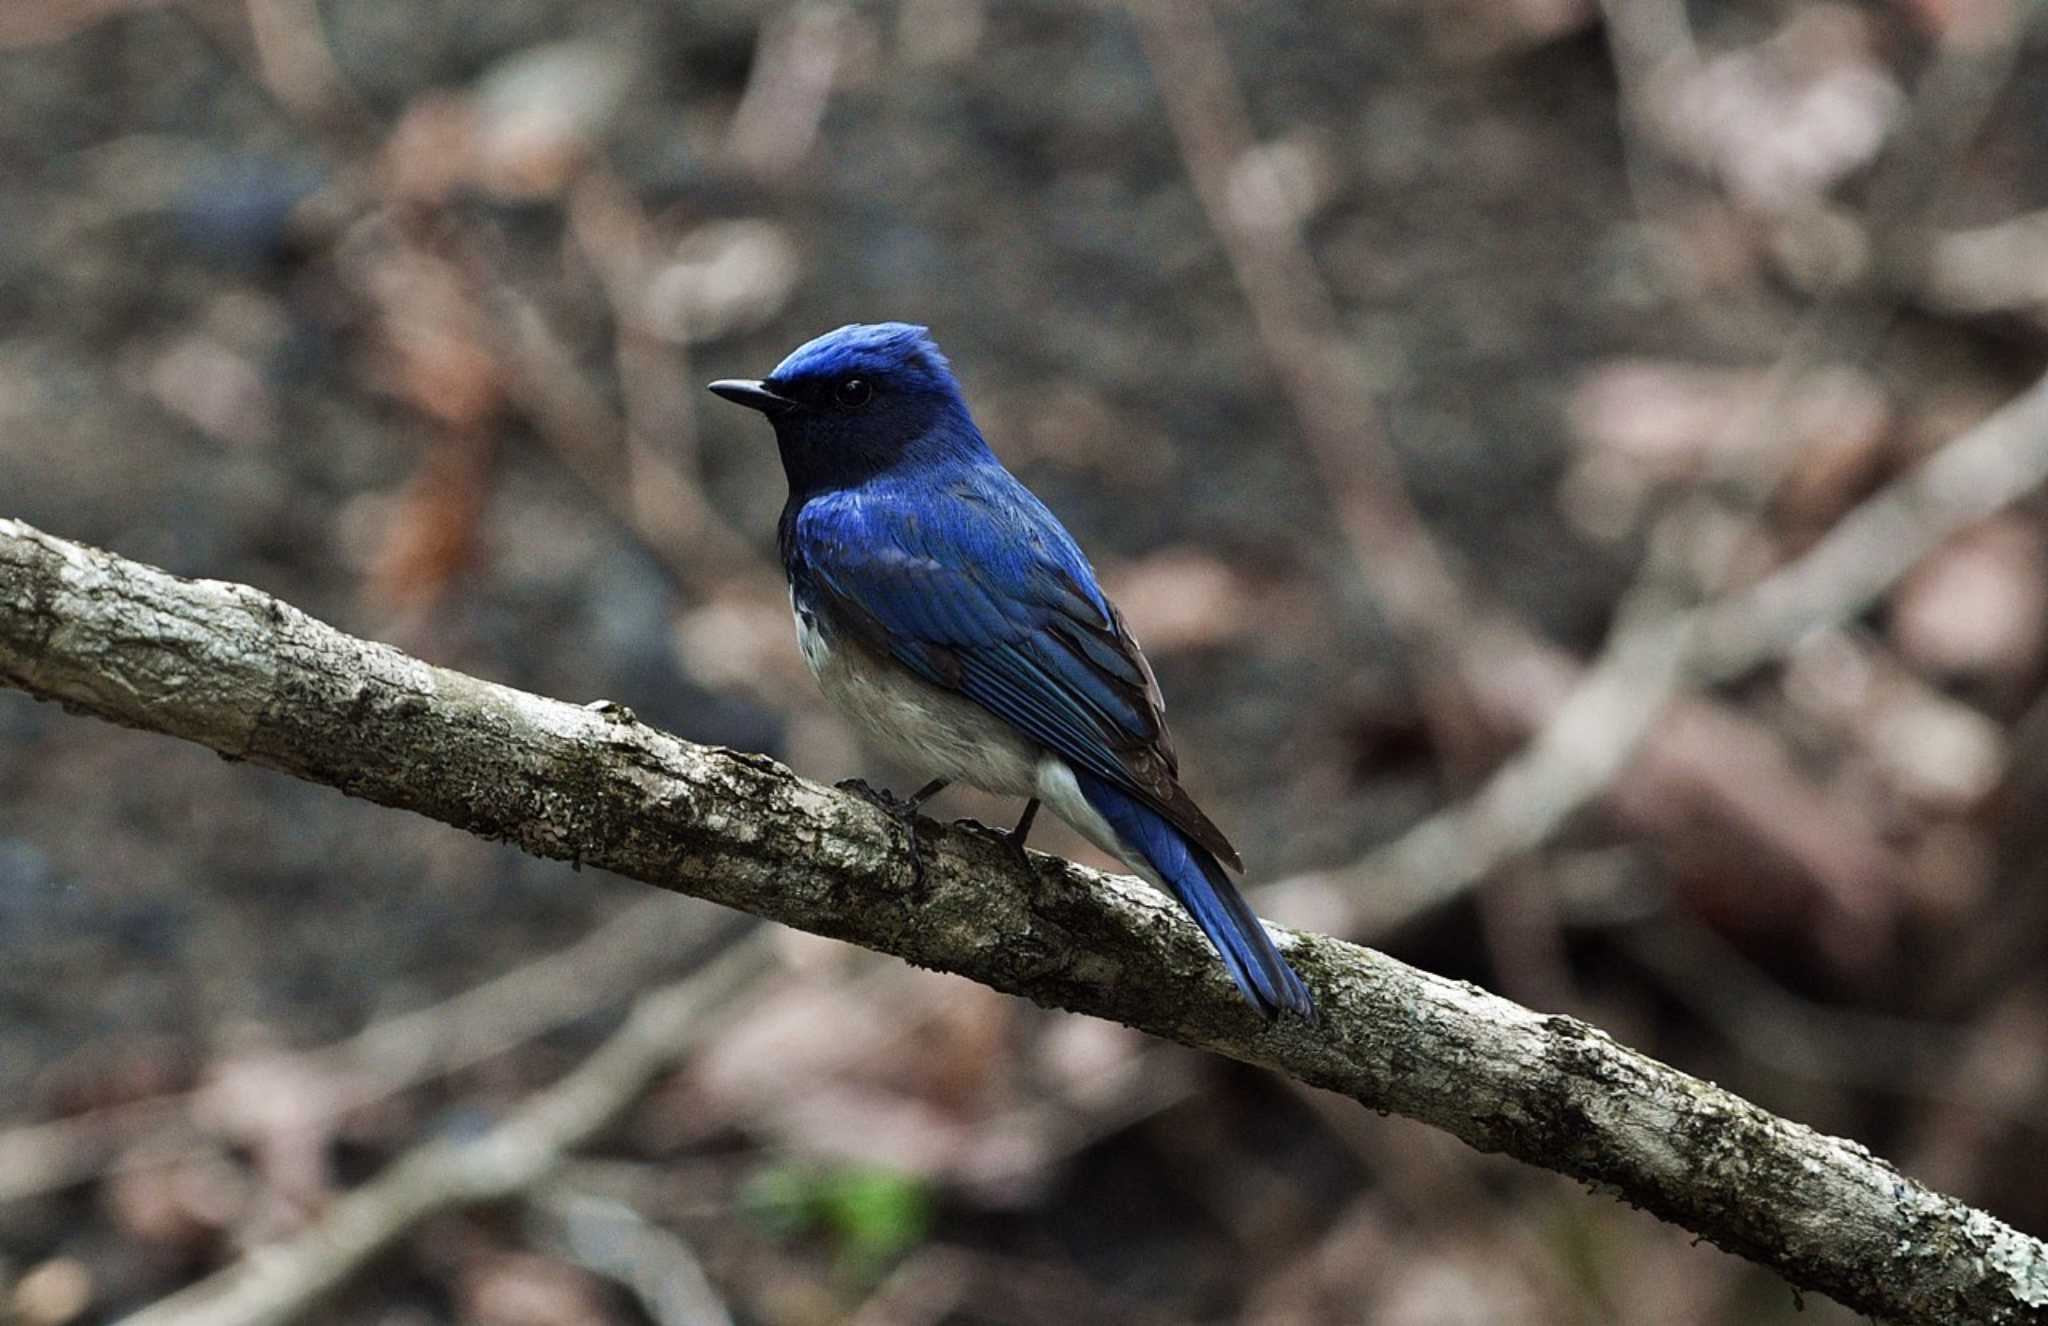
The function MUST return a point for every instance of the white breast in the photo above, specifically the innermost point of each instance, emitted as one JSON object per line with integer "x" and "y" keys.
{"x": 941, "y": 735}
{"x": 911, "y": 722}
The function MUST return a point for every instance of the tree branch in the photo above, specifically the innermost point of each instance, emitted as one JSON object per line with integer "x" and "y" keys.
{"x": 234, "y": 669}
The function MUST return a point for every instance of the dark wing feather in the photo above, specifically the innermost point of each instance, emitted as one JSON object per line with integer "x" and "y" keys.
{"x": 981, "y": 591}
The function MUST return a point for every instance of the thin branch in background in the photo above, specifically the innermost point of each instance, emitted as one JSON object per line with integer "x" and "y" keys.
{"x": 606, "y": 966}
{"x": 1985, "y": 470}
{"x": 796, "y": 61}
{"x": 613, "y": 961}
{"x": 280, "y": 1281}
{"x": 700, "y": 551}
{"x": 295, "y": 64}
{"x": 1585, "y": 742}
{"x": 1586, "y": 732}
{"x": 659, "y": 437}
{"x": 1767, "y": 1024}
{"x": 1298, "y": 327}
{"x": 433, "y": 529}
{"x": 1647, "y": 659}
{"x": 1979, "y": 45}
{"x": 611, "y": 1239}
{"x": 43, "y": 1157}
{"x": 1989, "y": 467}
{"x": 1999, "y": 268}
{"x": 1651, "y": 44}
{"x": 239, "y": 671}
{"x": 648, "y": 488}
{"x": 1653, "y": 48}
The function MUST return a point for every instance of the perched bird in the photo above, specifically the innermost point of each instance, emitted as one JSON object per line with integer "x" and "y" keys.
{"x": 955, "y": 621}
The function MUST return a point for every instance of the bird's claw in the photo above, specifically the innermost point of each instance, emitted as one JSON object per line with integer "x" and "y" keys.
{"x": 903, "y": 810}
{"x": 880, "y": 798}
{"x": 1015, "y": 842}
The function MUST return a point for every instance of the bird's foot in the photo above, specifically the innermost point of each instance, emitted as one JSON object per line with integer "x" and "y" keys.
{"x": 881, "y": 798}
{"x": 1016, "y": 837}
{"x": 904, "y": 810}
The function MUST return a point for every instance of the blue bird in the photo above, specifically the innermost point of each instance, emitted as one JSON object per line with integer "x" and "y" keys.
{"x": 954, "y": 620}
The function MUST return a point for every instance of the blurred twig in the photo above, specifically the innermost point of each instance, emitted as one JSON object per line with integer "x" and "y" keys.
{"x": 1650, "y": 40}
{"x": 611, "y": 1239}
{"x": 1999, "y": 268}
{"x": 616, "y": 239}
{"x": 1298, "y": 326}
{"x": 386, "y": 1057}
{"x": 1515, "y": 677}
{"x": 297, "y": 67}
{"x": 1647, "y": 660}
{"x": 696, "y": 547}
{"x": 651, "y": 491}
{"x": 278, "y": 1282}
{"x": 1897, "y": 1056}
{"x": 1590, "y": 726}
{"x": 1989, "y": 467}
{"x": 796, "y": 60}
{"x": 245, "y": 674}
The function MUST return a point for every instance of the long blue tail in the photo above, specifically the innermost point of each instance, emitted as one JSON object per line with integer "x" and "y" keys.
{"x": 1198, "y": 882}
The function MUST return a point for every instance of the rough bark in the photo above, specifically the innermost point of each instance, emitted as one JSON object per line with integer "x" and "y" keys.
{"x": 255, "y": 679}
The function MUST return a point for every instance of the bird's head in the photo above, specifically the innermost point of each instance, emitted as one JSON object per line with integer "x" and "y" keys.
{"x": 859, "y": 401}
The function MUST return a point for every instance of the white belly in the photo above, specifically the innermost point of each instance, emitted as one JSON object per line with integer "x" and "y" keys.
{"x": 915, "y": 724}
{"x": 942, "y": 735}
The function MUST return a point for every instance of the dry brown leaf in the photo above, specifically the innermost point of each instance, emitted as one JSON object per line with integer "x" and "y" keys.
{"x": 1671, "y": 417}
{"x": 431, "y": 152}
{"x": 740, "y": 640}
{"x": 215, "y": 390}
{"x": 1782, "y": 122}
{"x": 543, "y": 112}
{"x": 1974, "y": 606}
{"x": 1181, "y": 598}
{"x": 183, "y": 1201}
{"x": 433, "y": 350}
{"x": 522, "y": 1289}
{"x": 52, "y": 1293}
{"x": 430, "y": 534}
{"x": 725, "y": 278}
{"x": 1642, "y": 422}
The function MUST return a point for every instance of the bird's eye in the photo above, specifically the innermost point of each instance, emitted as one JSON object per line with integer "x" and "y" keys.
{"x": 853, "y": 393}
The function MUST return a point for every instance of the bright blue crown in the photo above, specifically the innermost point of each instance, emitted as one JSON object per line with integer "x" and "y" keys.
{"x": 896, "y": 352}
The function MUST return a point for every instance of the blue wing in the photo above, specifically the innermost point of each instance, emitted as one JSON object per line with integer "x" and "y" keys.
{"x": 976, "y": 587}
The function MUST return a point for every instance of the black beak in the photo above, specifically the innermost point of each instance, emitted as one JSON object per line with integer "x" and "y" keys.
{"x": 753, "y": 395}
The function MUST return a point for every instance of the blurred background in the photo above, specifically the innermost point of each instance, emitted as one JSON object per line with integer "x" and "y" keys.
{"x": 1393, "y": 360}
